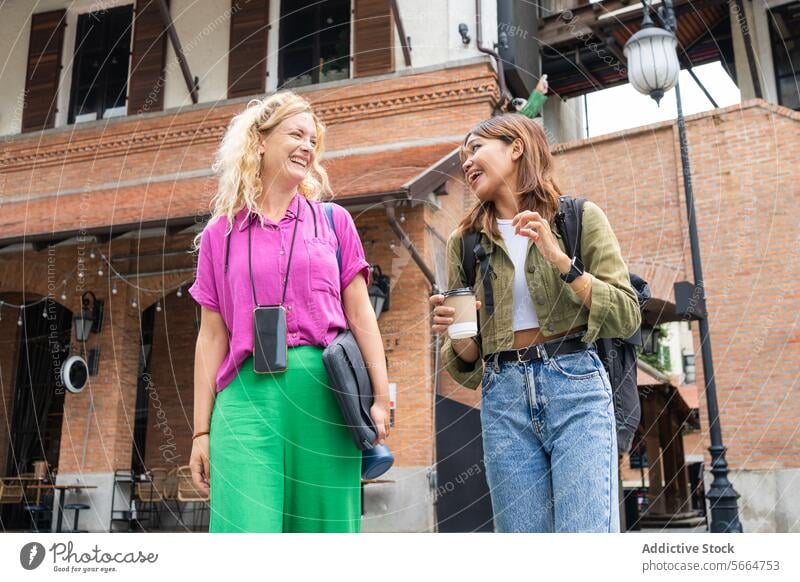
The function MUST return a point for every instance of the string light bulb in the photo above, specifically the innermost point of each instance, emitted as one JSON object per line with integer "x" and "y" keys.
{"x": 179, "y": 292}
{"x": 158, "y": 306}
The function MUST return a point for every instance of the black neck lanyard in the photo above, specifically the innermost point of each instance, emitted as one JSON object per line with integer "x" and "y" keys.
{"x": 288, "y": 265}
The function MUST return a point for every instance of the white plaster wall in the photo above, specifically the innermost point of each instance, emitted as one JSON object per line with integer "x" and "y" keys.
{"x": 564, "y": 120}
{"x": 204, "y": 32}
{"x": 433, "y": 28}
{"x": 769, "y": 500}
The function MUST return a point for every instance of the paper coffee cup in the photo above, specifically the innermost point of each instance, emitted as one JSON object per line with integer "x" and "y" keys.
{"x": 465, "y": 319}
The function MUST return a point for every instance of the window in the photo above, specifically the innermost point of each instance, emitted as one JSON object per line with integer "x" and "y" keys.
{"x": 785, "y": 34}
{"x": 100, "y": 66}
{"x": 314, "y": 42}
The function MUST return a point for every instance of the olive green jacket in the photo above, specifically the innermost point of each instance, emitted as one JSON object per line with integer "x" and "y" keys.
{"x": 614, "y": 311}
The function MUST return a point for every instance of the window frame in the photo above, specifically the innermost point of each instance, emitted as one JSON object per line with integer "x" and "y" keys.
{"x": 315, "y": 71}
{"x": 776, "y": 41}
{"x": 74, "y": 10}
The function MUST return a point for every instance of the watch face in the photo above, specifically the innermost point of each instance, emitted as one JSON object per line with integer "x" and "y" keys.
{"x": 575, "y": 271}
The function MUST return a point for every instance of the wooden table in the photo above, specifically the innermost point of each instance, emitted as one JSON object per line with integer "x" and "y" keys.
{"x": 60, "y": 497}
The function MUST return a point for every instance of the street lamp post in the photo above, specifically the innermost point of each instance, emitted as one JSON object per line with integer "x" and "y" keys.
{"x": 654, "y": 72}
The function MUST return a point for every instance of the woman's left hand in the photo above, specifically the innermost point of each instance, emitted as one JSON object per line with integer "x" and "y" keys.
{"x": 536, "y": 228}
{"x": 380, "y": 416}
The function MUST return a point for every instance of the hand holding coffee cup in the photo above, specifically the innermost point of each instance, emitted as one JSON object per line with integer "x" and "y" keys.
{"x": 455, "y": 311}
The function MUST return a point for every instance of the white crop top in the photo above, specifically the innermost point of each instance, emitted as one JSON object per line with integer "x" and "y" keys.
{"x": 524, "y": 314}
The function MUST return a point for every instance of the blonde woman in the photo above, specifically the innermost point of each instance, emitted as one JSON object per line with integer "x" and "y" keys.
{"x": 273, "y": 448}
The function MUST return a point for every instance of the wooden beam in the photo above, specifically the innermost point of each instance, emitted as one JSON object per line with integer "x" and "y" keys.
{"x": 598, "y": 84}
{"x": 401, "y": 32}
{"x": 191, "y": 82}
{"x": 573, "y": 25}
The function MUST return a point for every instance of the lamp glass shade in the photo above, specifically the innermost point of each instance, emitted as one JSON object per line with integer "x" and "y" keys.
{"x": 83, "y": 325}
{"x": 653, "y": 65}
{"x": 378, "y": 298}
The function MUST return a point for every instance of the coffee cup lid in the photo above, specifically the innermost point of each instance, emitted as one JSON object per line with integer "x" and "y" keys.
{"x": 461, "y": 291}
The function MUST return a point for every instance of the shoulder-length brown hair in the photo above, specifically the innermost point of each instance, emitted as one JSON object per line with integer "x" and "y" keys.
{"x": 536, "y": 187}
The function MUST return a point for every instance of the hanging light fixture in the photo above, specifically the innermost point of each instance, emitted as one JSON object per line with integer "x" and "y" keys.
{"x": 653, "y": 65}
{"x": 379, "y": 291}
{"x": 90, "y": 318}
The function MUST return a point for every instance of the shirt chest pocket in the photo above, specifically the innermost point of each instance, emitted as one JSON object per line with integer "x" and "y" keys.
{"x": 323, "y": 267}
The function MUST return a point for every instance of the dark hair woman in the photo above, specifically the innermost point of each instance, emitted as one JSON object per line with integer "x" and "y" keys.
{"x": 547, "y": 415}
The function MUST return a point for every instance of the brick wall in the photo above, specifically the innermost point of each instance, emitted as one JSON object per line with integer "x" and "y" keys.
{"x": 406, "y": 335}
{"x": 745, "y": 177}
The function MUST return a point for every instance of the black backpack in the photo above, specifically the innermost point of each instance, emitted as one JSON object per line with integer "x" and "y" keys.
{"x": 617, "y": 354}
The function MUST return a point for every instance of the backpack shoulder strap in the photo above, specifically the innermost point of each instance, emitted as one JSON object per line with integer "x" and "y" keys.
{"x": 468, "y": 242}
{"x": 470, "y": 250}
{"x": 328, "y": 206}
{"x": 570, "y": 222}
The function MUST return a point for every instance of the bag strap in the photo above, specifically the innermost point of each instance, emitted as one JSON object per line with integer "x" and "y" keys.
{"x": 570, "y": 222}
{"x": 470, "y": 249}
{"x": 328, "y": 206}
{"x": 468, "y": 242}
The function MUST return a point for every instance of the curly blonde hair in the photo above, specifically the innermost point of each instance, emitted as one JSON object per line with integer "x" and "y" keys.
{"x": 238, "y": 164}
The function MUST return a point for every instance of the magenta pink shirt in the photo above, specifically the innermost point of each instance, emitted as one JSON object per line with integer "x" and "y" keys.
{"x": 314, "y": 313}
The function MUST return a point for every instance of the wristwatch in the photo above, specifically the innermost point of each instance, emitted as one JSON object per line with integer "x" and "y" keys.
{"x": 575, "y": 271}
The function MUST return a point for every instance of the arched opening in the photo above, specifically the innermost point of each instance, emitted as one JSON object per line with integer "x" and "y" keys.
{"x": 162, "y": 432}
{"x": 36, "y": 341}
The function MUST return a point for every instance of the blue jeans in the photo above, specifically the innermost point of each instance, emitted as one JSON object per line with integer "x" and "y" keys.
{"x": 550, "y": 445}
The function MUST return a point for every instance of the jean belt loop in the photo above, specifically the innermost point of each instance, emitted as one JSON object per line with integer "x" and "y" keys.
{"x": 541, "y": 351}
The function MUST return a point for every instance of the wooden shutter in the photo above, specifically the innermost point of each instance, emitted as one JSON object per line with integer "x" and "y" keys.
{"x": 373, "y": 38}
{"x": 148, "y": 58}
{"x": 44, "y": 69}
{"x": 247, "y": 57}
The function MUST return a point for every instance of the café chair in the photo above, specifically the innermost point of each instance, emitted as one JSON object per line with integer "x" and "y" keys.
{"x": 150, "y": 494}
{"x": 188, "y": 493}
{"x": 38, "y": 510}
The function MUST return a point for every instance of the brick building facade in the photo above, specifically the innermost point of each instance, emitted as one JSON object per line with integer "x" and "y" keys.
{"x": 130, "y": 193}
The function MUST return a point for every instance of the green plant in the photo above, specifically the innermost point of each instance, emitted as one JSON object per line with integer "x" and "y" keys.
{"x": 661, "y": 359}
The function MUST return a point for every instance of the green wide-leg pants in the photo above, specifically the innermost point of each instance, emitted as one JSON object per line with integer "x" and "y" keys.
{"x": 281, "y": 458}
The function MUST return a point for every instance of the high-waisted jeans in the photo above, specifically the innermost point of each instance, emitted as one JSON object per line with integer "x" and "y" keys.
{"x": 550, "y": 445}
